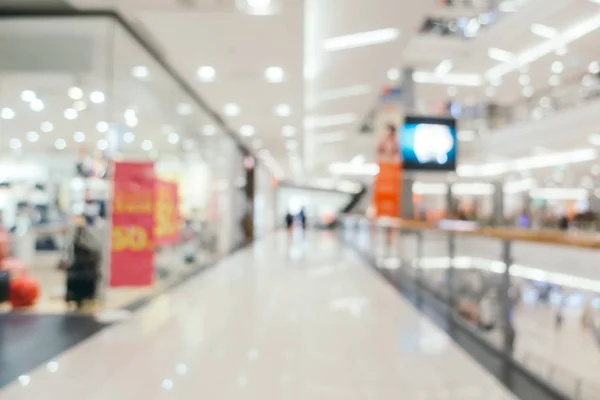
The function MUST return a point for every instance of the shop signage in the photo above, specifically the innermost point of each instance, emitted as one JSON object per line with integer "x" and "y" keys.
{"x": 132, "y": 234}
{"x": 166, "y": 212}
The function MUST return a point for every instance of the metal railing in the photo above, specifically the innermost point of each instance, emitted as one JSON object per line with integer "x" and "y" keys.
{"x": 432, "y": 268}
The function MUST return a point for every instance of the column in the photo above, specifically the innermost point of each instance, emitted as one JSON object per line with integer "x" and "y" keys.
{"x": 498, "y": 204}
{"x": 408, "y": 90}
{"x": 406, "y": 205}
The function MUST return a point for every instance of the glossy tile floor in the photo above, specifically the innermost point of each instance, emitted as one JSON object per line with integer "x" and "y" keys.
{"x": 302, "y": 319}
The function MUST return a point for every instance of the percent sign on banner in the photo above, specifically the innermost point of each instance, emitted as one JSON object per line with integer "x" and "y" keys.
{"x": 132, "y": 244}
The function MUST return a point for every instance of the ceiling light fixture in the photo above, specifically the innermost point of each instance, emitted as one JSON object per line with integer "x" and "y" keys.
{"x": 28, "y": 96}
{"x": 393, "y": 74}
{"x": 448, "y": 79}
{"x": 15, "y": 143}
{"x": 75, "y": 93}
{"x": 32, "y": 136}
{"x": 102, "y": 127}
{"x": 128, "y": 137}
{"x": 544, "y": 31}
{"x": 70, "y": 113}
{"x": 594, "y": 67}
{"x": 206, "y": 74}
{"x": 443, "y": 68}
{"x": 361, "y": 39}
{"x": 173, "y": 138}
{"x": 274, "y": 75}
{"x": 7, "y": 113}
{"x": 247, "y": 130}
{"x": 47, "y": 127}
{"x": 102, "y": 144}
{"x": 577, "y": 31}
{"x": 36, "y": 105}
{"x": 60, "y": 144}
{"x": 288, "y": 131}
{"x": 97, "y": 97}
{"x": 500, "y": 55}
{"x": 557, "y": 67}
{"x": 209, "y": 130}
{"x": 184, "y": 109}
{"x": 231, "y": 110}
{"x": 283, "y": 110}
{"x": 140, "y": 72}
{"x": 524, "y": 80}
{"x": 79, "y": 137}
{"x": 79, "y": 105}
{"x": 146, "y": 145}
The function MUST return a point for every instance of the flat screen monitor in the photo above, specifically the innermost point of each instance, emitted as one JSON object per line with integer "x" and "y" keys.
{"x": 428, "y": 144}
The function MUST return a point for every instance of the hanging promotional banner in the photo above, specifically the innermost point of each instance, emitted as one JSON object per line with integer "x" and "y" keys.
{"x": 387, "y": 190}
{"x": 166, "y": 213}
{"x": 132, "y": 243}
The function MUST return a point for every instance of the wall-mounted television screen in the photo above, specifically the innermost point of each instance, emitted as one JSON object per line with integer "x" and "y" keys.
{"x": 428, "y": 143}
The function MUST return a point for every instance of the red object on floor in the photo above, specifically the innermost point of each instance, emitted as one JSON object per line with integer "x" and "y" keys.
{"x": 24, "y": 291}
{"x": 12, "y": 265}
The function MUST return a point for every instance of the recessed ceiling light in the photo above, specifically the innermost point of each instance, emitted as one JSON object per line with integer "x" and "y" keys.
{"x": 500, "y": 55}
{"x": 47, "y": 127}
{"x": 543, "y": 31}
{"x": 102, "y": 144}
{"x": 15, "y": 143}
{"x": 75, "y": 93}
{"x": 79, "y": 137}
{"x": 97, "y": 97}
{"x": 594, "y": 139}
{"x": 393, "y": 74}
{"x": 452, "y": 91}
{"x": 283, "y": 110}
{"x": 247, "y": 130}
{"x": 173, "y": 138}
{"x": 7, "y": 113}
{"x": 140, "y": 72}
{"x": 79, "y": 105}
{"x": 28, "y": 96}
{"x": 70, "y": 113}
{"x": 206, "y": 74}
{"x": 554, "y": 80}
{"x": 209, "y": 130}
{"x": 231, "y": 109}
{"x": 594, "y": 67}
{"x": 184, "y": 109}
{"x": 102, "y": 127}
{"x": 274, "y": 75}
{"x": 32, "y": 136}
{"x": 524, "y": 80}
{"x": 288, "y": 131}
{"x": 557, "y": 67}
{"x": 361, "y": 39}
{"x": 258, "y": 3}
{"x": 146, "y": 145}
{"x": 60, "y": 144}
{"x": 36, "y": 105}
{"x": 527, "y": 91}
{"x": 128, "y": 137}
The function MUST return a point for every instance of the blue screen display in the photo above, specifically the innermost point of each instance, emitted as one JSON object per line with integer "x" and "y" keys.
{"x": 428, "y": 144}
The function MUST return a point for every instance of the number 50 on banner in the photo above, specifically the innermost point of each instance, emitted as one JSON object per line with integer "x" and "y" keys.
{"x": 130, "y": 238}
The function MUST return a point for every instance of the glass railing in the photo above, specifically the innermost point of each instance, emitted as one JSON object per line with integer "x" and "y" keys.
{"x": 461, "y": 279}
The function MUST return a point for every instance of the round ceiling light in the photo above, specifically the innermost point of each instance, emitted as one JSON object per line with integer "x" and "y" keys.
{"x": 274, "y": 75}
{"x": 102, "y": 144}
{"x": 231, "y": 109}
{"x": 146, "y": 145}
{"x": 47, "y": 126}
{"x": 173, "y": 138}
{"x": 15, "y": 143}
{"x": 524, "y": 80}
{"x": 247, "y": 130}
{"x": 184, "y": 109}
{"x": 97, "y": 97}
{"x": 7, "y": 113}
{"x": 75, "y": 93}
{"x": 79, "y": 137}
{"x": 36, "y": 105}
{"x": 283, "y": 110}
{"x": 557, "y": 67}
{"x": 594, "y": 67}
{"x": 288, "y": 131}
{"x": 60, "y": 144}
{"x": 206, "y": 74}
{"x": 393, "y": 74}
{"x": 28, "y": 96}
{"x": 102, "y": 127}
{"x": 79, "y": 105}
{"x": 70, "y": 113}
{"x": 140, "y": 72}
{"x": 128, "y": 137}
{"x": 32, "y": 136}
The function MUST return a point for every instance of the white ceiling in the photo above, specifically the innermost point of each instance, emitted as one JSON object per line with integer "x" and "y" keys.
{"x": 194, "y": 33}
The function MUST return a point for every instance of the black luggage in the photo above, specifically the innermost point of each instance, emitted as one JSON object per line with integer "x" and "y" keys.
{"x": 4, "y": 286}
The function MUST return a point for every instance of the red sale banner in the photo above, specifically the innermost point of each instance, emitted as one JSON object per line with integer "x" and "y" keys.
{"x": 132, "y": 243}
{"x": 166, "y": 212}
